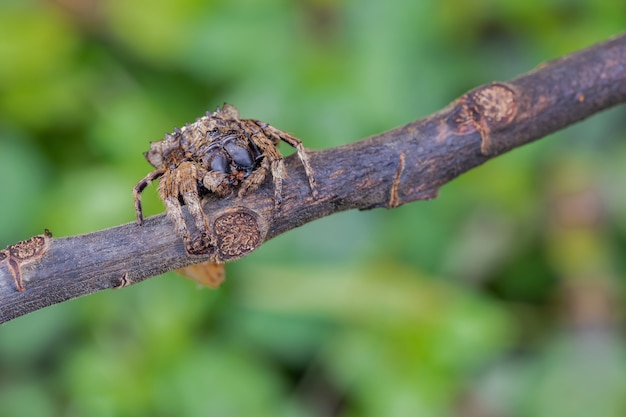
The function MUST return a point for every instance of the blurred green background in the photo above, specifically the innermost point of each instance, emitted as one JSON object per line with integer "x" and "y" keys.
{"x": 502, "y": 297}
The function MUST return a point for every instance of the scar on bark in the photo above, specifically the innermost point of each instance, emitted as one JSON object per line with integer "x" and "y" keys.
{"x": 485, "y": 110}
{"x": 393, "y": 194}
{"x": 24, "y": 252}
{"x": 121, "y": 281}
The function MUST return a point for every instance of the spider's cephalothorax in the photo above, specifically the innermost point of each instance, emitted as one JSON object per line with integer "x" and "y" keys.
{"x": 217, "y": 153}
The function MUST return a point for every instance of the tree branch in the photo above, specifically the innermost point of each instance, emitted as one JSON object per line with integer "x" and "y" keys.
{"x": 396, "y": 167}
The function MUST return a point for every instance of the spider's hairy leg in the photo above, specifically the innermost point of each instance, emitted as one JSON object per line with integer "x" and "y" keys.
{"x": 297, "y": 144}
{"x": 141, "y": 185}
{"x": 272, "y": 161}
{"x": 185, "y": 184}
{"x": 201, "y": 243}
{"x": 175, "y": 213}
{"x": 277, "y": 166}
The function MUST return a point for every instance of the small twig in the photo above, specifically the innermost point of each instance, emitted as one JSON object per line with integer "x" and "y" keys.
{"x": 399, "y": 166}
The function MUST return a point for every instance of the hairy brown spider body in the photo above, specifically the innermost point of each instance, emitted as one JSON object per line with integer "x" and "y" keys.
{"x": 217, "y": 153}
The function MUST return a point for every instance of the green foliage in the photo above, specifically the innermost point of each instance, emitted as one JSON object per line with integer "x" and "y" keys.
{"x": 498, "y": 297}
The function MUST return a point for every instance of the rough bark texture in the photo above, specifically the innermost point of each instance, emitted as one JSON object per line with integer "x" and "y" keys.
{"x": 396, "y": 167}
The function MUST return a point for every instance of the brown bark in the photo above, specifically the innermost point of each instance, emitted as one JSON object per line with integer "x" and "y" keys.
{"x": 396, "y": 167}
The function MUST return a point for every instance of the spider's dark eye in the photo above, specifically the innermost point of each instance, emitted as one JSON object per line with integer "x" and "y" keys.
{"x": 220, "y": 164}
{"x": 213, "y": 132}
{"x": 240, "y": 156}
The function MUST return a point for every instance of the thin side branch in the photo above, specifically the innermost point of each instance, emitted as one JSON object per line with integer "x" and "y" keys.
{"x": 396, "y": 167}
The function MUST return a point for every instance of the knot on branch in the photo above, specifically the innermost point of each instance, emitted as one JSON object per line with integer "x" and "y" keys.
{"x": 239, "y": 231}
{"x": 484, "y": 110}
{"x": 24, "y": 252}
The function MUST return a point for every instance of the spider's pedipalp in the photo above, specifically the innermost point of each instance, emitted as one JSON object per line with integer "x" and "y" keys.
{"x": 255, "y": 179}
{"x": 216, "y": 182}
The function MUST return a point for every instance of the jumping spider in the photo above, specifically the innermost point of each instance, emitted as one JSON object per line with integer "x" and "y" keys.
{"x": 217, "y": 153}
